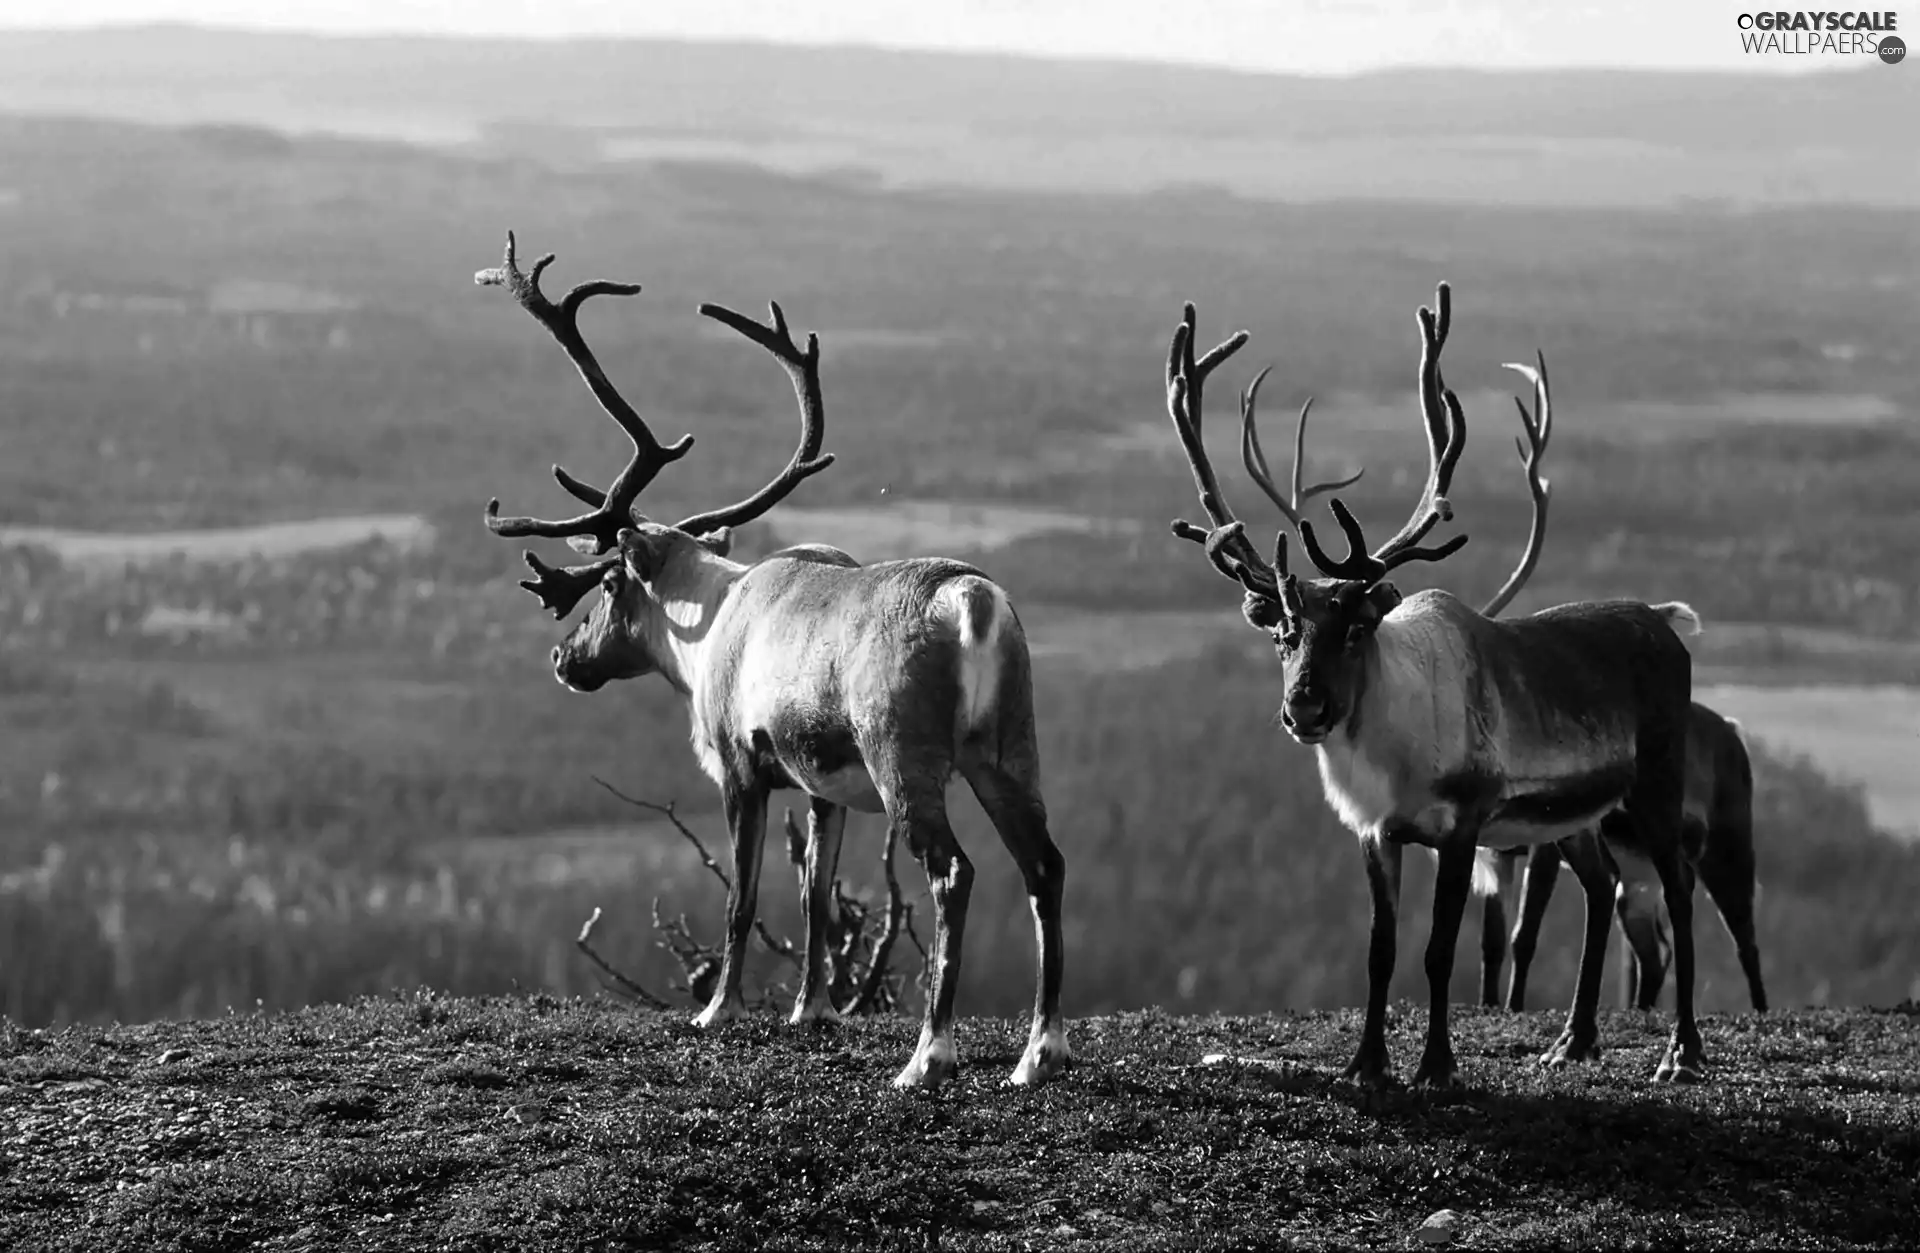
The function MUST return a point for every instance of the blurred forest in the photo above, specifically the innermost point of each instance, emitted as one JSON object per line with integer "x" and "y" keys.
{"x": 307, "y": 775}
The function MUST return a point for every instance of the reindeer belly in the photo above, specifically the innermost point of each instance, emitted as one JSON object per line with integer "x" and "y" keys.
{"x": 821, "y": 760}
{"x": 1541, "y": 808}
{"x": 849, "y": 785}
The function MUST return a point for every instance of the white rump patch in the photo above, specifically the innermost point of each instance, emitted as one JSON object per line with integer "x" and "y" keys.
{"x": 1486, "y": 872}
{"x": 979, "y": 649}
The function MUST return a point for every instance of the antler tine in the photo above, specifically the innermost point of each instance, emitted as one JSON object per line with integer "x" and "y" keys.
{"x": 1537, "y": 429}
{"x": 613, "y": 508}
{"x": 1255, "y": 456}
{"x": 1357, "y": 564}
{"x": 1186, "y": 384}
{"x": 1446, "y": 441}
{"x": 803, "y": 367}
{"x": 1299, "y": 464}
{"x": 559, "y": 588}
{"x": 1227, "y": 545}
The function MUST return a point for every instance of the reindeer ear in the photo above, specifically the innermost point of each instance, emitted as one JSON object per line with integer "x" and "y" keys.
{"x": 718, "y": 541}
{"x": 1261, "y": 611}
{"x": 1382, "y": 599}
{"x": 643, "y": 554}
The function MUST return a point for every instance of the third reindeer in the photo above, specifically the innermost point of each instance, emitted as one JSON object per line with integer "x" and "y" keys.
{"x": 1440, "y": 726}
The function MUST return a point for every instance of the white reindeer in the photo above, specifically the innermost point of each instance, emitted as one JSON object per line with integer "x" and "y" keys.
{"x": 866, "y": 687}
{"x": 1436, "y": 725}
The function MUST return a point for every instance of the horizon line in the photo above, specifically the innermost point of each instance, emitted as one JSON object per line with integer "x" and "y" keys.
{"x": 876, "y": 46}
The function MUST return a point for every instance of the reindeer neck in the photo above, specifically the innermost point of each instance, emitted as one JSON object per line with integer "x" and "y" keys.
{"x": 1407, "y": 710}
{"x": 688, "y": 596}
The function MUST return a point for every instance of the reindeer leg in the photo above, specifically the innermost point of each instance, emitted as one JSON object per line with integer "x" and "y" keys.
{"x": 1685, "y": 1061}
{"x": 922, "y": 817}
{"x": 826, "y": 824}
{"x": 1371, "y": 1066}
{"x": 1580, "y": 1039}
{"x": 1452, "y": 884}
{"x": 1493, "y": 947}
{"x": 1543, "y": 870}
{"x": 1638, "y": 904}
{"x": 1020, "y": 816}
{"x": 1729, "y": 879}
{"x": 746, "y": 810}
{"x": 1654, "y": 809}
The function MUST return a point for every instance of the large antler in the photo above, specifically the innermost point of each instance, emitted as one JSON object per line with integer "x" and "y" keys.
{"x": 1446, "y": 440}
{"x": 1227, "y": 545}
{"x": 1256, "y": 458}
{"x": 1536, "y": 428}
{"x": 593, "y": 532}
{"x": 803, "y": 367}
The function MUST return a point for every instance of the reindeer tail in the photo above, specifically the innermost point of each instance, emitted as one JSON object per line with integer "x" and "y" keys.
{"x": 982, "y": 618}
{"x": 1680, "y": 616}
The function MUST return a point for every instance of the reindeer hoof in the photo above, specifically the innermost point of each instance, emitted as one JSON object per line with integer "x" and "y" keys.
{"x": 1372, "y": 1076}
{"x": 718, "y": 1012}
{"x": 1568, "y": 1049}
{"x": 1046, "y": 1056}
{"x": 815, "y": 1014}
{"x": 1438, "y": 1076}
{"x": 1684, "y": 1062}
{"x": 926, "y": 1073}
{"x": 1673, "y": 1070}
{"x": 931, "y": 1066}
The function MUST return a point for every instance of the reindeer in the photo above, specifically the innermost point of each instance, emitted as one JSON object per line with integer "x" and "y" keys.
{"x": 1717, "y": 813}
{"x": 866, "y": 687}
{"x": 1718, "y": 838}
{"x": 1438, "y": 726}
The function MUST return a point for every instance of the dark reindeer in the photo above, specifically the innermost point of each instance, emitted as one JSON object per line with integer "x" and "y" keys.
{"x": 1436, "y": 725}
{"x": 1717, "y": 814}
{"x": 1718, "y": 837}
{"x": 866, "y": 687}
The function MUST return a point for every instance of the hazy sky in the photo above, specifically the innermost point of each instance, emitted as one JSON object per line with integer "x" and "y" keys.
{"x": 1312, "y": 36}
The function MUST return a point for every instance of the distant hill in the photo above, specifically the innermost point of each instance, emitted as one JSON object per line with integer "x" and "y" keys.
{"x": 919, "y": 118}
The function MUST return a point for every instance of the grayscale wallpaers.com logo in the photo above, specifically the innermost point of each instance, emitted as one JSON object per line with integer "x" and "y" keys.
{"x": 1823, "y": 34}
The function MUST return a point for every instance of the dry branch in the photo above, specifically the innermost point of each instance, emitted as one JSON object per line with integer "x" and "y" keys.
{"x": 620, "y": 981}
{"x": 859, "y": 977}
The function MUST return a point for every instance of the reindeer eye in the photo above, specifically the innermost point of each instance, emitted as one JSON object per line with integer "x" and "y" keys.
{"x": 1356, "y": 636}
{"x": 1288, "y": 639}
{"x": 611, "y": 580}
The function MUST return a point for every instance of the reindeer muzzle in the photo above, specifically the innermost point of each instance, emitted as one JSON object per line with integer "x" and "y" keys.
{"x": 1308, "y": 720}
{"x": 571, "y": 674}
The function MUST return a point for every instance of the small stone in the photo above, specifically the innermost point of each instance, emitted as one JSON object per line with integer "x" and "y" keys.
{"x": 79, "y": 1085}
{"x": 170, "y": 1055}
{"x": 1438, "y": 1229}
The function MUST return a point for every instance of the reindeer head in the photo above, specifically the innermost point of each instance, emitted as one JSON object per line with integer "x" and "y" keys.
{"x": 643, "y": 564}
{"x": 1322, "y": 628}
{"x": 625, "y": 633}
